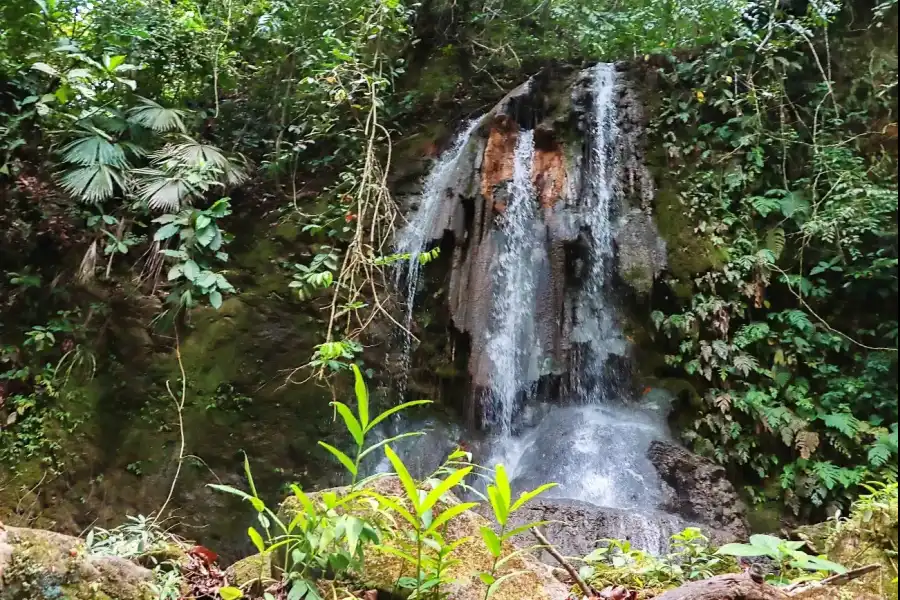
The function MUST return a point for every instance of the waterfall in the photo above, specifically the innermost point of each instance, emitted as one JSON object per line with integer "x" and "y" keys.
{"x": 511, "y": 339}
{"x": 596, "y": 328}
{"x": 592, "y": 439}
{"x": 419, "y": 232}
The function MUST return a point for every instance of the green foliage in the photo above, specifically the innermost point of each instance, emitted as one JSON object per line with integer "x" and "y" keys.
{"x": 784, "y": 552}
{"x": 763, "y": 147}
{"x": 141, "y": 538}
{"x": 330, "y": 531}
{"x": 200, "y": 242}
{"x": 691, "y": 558}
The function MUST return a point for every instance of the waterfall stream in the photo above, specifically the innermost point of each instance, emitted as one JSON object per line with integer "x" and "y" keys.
{"x": 593, "y": 440}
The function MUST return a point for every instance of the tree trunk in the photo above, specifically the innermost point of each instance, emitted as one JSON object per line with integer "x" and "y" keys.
{"x": 725, "y": 587}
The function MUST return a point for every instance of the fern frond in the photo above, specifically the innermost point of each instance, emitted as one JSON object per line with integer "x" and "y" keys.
{"x": 806, "y": 442}
{"x": 775, "y": 241}
{"x": 94, "y": 150}
{"x": 157, "y": 117}
{"x": 94, "y": 183}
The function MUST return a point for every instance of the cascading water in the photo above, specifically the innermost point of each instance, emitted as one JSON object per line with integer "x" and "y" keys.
{"x": 419, "y": 232}
{"x": 591, "y": 441}
{"x": 511, "y": 339}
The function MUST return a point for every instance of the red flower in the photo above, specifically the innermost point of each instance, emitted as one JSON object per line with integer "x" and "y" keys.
{"x": 349, "y": 217}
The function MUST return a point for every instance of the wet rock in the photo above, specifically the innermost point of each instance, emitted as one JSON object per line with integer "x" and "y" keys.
{"x": 700, "y": 492}
{"x": 642, "y": 252}
{"x": 576, "y": 528}
{"x": 43, "y": 565}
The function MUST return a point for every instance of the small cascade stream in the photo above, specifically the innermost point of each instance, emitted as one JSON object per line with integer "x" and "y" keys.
{"x": 592, "y": 439}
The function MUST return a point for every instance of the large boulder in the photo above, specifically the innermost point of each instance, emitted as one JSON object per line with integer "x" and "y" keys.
{"x": 381, "y": 570}
{"x": 576, "y": 528}
{"x": 43, "y": 565}
{"x": 700, "y": 492}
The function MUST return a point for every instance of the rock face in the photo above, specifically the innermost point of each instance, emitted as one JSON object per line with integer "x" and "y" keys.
{"x": 576, "y": 528}
{"x": 382, "y": 570}
{"x": 700, "y": 492}
{"x": 43, "y": 565}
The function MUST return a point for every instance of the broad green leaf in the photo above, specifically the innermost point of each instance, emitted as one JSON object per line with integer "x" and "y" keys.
{"x": 343, "y": 458}
{"x": 215, "y": 299}
{"x": 445, "y": 486}
{"x": 256, "y": 539}
{"x": 501, "y": 512}
{"x": 307, "y": 504}
{"x": 486, "y": 578}
{"x": 202, "y": 221}
{"x": 528, "y": 496}
{"x": 741, "y": 550}
{"x": 191, "y": 270}
{"x": 362, "y": 397}
{"x": 406, "y": 479}
{"x": 351, "y": 422}
{"x": 394, "y": 410}
{"x": 166, "y": 231}
{"x": 814, "y": 563}
{"x": 502, "y": 482}
{"x": 493, "y": 543}
{"x": 448, "y": 514}
{"x": 45, "y": 68}
{"x": 230, "y": 593}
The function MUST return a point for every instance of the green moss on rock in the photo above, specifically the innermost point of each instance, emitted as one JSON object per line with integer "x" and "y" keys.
{"x": 43, "y": 565}
{"x": 688, "y": 252}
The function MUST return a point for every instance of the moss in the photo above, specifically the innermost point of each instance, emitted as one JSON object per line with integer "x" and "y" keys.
{"x": 765, "y": 517}
{"x": 49, "y": 566}
{"x": 688, "y": 252}
{"x": 639, "y": 278}
{"x": 250, "y": 569}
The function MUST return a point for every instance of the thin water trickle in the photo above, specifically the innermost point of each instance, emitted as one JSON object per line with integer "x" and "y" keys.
{"x": 418, "y": 233}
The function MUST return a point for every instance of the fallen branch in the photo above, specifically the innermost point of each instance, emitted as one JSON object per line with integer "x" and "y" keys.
{"x": 750, "y": 586}
{"x": 565, "y": 564}
{"x": 734, "y": 586}
{"x": 802, "y": 589}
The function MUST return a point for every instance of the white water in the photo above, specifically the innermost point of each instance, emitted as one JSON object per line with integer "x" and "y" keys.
{"x": 418, "y": 233}
{"x": 594, "y": 448}
{"x": 511, "y": 342}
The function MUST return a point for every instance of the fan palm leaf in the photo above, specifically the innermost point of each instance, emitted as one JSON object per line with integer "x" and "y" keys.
{"x": 94, "y": 183}
{"x": 156, "y": 117}
{"x": 164, "y": 190}
{"x": 93, "y": 150}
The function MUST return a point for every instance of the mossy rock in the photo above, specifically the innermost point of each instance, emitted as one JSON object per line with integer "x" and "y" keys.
{"x": 43, "y": 565}
{"x": 381, "y": 570}
{"x": 250, "y": 569}
{"x": 688, "y": 253}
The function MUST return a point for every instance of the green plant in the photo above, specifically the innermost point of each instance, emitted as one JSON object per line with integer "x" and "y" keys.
{"x": 499, "y": 495}
{"x": 324, "y": 535}
{"x": 200, "y": 241}
{"x": 691, "y": 558}
{"x": 784, "y": 552}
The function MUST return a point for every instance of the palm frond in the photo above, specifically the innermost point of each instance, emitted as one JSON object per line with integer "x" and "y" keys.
{"x": 164, "y": 190}
{"x": 156, "y": 117}
{"x": 193, "y": 154}
{"x": 94, "y": 183}
{"x": 93, "y": 150}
